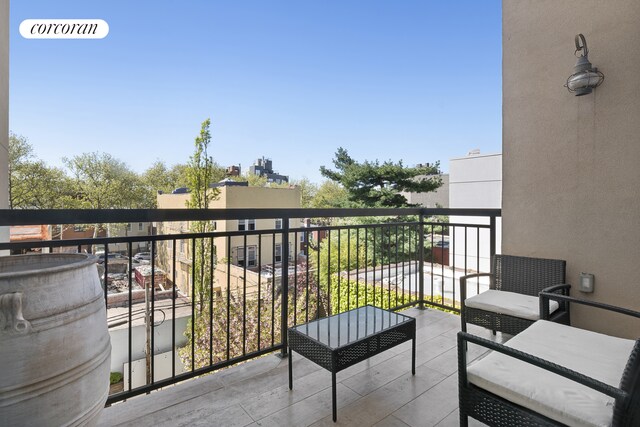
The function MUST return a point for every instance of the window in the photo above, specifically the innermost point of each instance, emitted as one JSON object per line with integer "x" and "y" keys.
{"x": 249, "y": 254}
{"x": 278, "y": 224}
{"x": 278, "y": 254}
{"x": 290, "y": 253}
{"x": 140, "y": 227}
{"x": 246, "y": 224}
{"x": 129, "y": 227}
{"x": 303, "y": 237}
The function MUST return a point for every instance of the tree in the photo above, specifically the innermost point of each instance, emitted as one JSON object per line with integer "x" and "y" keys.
{"x": 160, "y": 177}
{"x": 33, "y": 184}
{"x": 379, "y": 185}
{"x": 330, "y": 195}
{"x": 308, "y": 191}
{"x": 103, "y": 182}
{"x": 200, "y": 173}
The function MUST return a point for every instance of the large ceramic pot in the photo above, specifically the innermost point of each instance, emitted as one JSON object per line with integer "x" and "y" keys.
{"x": 54, "y": 344}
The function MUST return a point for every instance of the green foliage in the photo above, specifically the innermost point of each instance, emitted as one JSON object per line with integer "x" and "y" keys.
{"x": 200, "y": 173}
{"x": 330, "y": 195}
{"x": 349, "y": 294}
{"x": 308, "y": 191}
{"x": 115, "y": 377}
{"x": 241, "y": 314}
{"x": 160, "y": 177}
{"x": 375, "y": 184}
{"x": 100, "y": 181}
{"x": 33, "y": 184}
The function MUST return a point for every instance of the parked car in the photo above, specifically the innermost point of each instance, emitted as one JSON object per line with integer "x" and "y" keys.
{"x": 142, "y": 256}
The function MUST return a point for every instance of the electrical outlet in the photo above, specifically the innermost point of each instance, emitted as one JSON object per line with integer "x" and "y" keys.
{"x": 586, "y": 282}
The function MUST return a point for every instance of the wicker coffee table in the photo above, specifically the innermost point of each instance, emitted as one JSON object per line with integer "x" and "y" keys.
{"x": 342, "y": 340}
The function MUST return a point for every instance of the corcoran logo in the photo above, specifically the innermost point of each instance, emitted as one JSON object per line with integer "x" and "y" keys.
{"x": 64, "y": 29}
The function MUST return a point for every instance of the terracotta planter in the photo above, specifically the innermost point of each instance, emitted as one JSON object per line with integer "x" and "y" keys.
{"x": 54, "y": 343}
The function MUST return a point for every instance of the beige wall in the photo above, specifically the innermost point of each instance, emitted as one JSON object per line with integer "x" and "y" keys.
{"x": 234, "y": 197}
{"x": 4, "y": 112}
{"x": 571, "y": 165}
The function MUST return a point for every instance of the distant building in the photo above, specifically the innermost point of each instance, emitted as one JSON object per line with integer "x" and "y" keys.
{"x": 433, "y": 199}
{"x": 251, "y": 255}
{"x": 233, "y": 170}
{"x": 264, "y": 167}
{"x": 475, "y": 182}
{"x": 28, "y": 233}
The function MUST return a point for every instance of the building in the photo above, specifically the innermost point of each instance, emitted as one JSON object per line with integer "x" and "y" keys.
{"x": 433, "y": 199}
{"x": 475, "y": 182}
{"x": 264, "y": 167}
{"x": 28, "y": 233}
{"x": 259, "y": 251}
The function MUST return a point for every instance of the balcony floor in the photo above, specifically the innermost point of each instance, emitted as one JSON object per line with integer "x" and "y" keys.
{"x": 380, "y": 391}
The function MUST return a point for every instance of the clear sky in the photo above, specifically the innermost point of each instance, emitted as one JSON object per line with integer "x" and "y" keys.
{"x": 416, "y": 81}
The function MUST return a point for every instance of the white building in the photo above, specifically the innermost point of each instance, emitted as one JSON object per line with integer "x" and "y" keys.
{"x": 475, "y": 181}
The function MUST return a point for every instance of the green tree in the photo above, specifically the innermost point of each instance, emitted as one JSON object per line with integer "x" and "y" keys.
{"x": 100, "y": 181}
{"x": 33, "y": 184}
{"x": 103, "y": 182}
{"x": 330, "y": 194}
{"x": 379, "y": 185}
{"x": 308, "y": 191}
{"x": 200, "y": 173}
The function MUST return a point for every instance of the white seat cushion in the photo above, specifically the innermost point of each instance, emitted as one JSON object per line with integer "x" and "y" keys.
{"x": 596, "y": 355}
{"x": 509, "y": 303}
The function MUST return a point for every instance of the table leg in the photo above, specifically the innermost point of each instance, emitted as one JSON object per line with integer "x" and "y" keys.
{"x": 290, "y": 370}
{"x": 413, "y": 355}
{"x": 333, "y": 396}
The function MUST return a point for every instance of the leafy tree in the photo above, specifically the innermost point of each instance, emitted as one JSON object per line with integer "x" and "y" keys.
{"x": 329, "y": 195}
{"x": 308, "y": 191}
{"x": 253, "y": 324}
{"x": 379, "y": 185}
{"x": 200, "y": 173}
{"x": 33, "y": 184}
{"x": 160, "y": 177}
{"x": 103, "y": 182}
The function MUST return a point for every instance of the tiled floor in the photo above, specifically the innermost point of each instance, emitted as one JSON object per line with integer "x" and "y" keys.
{"x": 380, "y": 391}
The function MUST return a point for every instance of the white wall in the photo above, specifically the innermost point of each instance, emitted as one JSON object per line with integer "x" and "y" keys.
{"x": 475, "y": 181}
{"x": 162, "y": 341}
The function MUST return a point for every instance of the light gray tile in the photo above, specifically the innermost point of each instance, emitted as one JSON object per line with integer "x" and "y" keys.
{"x": 431, "y": 407}
{"x": 390, "y": 421}
{"x": 311, "y": 409}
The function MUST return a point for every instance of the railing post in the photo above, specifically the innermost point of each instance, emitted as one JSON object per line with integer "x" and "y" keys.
{"x": 284, "y": 286}
{"x": 492, "y": 238}
{"x": 421, "y": 264}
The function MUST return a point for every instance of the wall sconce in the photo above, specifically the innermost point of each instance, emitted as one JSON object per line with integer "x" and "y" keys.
{"x": 585, "y": 76}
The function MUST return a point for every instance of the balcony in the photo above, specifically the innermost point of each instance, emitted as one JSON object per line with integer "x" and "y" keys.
{"x": 221, "y": 366}
{"x": 380, "y": 391}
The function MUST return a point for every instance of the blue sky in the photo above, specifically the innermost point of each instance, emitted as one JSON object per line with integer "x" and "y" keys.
{"x": 416, "y": 81}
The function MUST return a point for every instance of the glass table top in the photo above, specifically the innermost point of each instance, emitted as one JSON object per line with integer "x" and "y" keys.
{"x": 345, "y": 328}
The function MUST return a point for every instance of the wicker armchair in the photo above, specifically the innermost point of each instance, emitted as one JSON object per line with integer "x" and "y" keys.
{"x": 521, "y": 279}
{"x": 535, "y": 379}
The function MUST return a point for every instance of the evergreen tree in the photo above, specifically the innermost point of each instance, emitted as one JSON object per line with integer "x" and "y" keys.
{"x": 379, "y": 185}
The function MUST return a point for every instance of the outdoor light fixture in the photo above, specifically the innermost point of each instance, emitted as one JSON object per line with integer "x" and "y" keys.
{"x": 585, "y": 76}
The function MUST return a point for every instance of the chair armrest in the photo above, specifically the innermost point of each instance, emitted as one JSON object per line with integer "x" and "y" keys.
{"x": 562, "y": 289}
{"x": 560, "y": 298}
{"x": 570, "y": 374}
{"x": 463, "y": 284}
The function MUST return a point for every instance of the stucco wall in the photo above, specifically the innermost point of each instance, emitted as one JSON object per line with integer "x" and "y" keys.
{"x": 571, "y": 172}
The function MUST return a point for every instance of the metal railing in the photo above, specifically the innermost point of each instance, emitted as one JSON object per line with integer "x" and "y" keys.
{"x": 219, "y": 294}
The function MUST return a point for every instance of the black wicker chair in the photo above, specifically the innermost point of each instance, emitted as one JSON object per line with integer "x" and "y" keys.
{"x": 520, "y": 275}
{"x": 493, "y": 410}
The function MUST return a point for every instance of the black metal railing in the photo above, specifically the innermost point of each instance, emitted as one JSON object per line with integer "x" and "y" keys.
{"x": 222, "y": 286}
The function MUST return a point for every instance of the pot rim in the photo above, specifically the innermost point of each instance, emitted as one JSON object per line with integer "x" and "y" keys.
{"x": 81, "y": 261}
